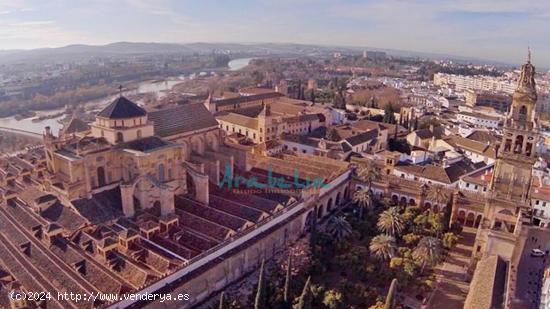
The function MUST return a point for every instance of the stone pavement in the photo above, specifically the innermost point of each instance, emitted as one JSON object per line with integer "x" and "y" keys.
{"x": 451, "y": 289}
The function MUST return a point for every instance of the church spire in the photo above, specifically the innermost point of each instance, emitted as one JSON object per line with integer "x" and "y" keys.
{"x": 526, "y": 82}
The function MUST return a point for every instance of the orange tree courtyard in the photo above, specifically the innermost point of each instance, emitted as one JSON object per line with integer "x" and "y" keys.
{"x": 351, "y": 262}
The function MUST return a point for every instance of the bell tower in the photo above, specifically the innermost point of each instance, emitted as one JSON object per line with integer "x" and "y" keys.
{"x": 508, "y": 201}
{"x": 520, "y": 126}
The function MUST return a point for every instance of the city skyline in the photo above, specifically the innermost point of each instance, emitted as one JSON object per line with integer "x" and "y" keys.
{"x": 490, "y": 30}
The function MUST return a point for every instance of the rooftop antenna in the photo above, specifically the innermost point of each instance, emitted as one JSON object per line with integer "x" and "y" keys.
{"x": 120, "y": 90}
{"x": 528, "y": 54}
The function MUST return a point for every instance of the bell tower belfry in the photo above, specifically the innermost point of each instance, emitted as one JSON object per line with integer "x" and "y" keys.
{"x": 508, "y": 199}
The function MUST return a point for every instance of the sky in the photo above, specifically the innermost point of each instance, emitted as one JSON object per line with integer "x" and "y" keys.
{"x": 497, "y": 30}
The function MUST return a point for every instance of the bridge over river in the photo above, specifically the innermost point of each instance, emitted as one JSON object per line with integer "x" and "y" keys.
{"x": 21, "y": 131}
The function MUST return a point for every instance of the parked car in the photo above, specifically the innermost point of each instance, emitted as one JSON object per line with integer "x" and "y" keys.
{"x": 537, "y": 253}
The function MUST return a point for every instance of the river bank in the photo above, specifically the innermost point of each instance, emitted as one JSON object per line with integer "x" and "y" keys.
{"x": 37, "y": 120}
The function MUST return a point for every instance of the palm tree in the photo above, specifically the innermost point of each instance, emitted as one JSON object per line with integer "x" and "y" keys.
{"x": 383, "y": 246}
{"x": 363, "y": 198}
{"x": 391, "y": 222}
{"x": 427, "y": 252}
{"x": 437, "y": 194}
{"x": 338, "y": 228}
{"x": 368, "y": 173}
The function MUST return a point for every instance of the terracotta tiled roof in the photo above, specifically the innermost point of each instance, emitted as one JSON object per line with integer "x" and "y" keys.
{"x": 181, "y": 119}
{"x": 488, "y": 285}
{"x": 249, "y": 98}
{"x": 447, "y": 175}
{"x": 362, "y": 137}
{"x": 241, "y": 120}
{"x": 437, "y": 132}
{"x": 482, "y": 136}
{"x": 76, "y": 125}
{"x": 484, "y": 149}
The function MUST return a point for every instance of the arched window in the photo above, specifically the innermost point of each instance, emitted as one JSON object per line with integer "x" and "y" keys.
{"x": 119, "y": 137}
{"x": 522, "y": 113}
{"x": 101, "y": 176}
{"x": 523, "y": 110}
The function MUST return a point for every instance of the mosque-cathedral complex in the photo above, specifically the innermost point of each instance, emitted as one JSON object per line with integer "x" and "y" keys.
{"x": 138, "y": 201}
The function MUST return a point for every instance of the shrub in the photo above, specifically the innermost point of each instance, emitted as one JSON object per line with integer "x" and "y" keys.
{"x": 449, "y": 240}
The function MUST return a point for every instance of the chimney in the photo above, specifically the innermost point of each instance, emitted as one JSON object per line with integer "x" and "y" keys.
{"x": 48, "y": 131}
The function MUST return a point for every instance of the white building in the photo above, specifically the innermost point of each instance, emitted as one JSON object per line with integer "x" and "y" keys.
{"x": 478, "y": 119}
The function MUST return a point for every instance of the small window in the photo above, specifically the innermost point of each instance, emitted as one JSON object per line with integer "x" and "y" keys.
{"x": 138, "y": 133}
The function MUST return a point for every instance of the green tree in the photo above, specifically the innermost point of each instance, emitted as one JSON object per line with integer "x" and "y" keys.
{"x": 449, "y": 240}
{"x": 313, "y": 232}
{"x": 383, "y": 246}
{"x": 428, "y": 252}
{"x": 304, "y": 300}
{"x": 338, "y": 228}
{"x": 391, "y": 222}
{"x": 287, "y": 280}
{"x": 389, "y": 114}
{"x": 367, "y": 173}
{"x": 390, "y": 298}
{"x": 333, "y": 299}
{"x": 332, "y": 135}
{"x": 437, "y": 194}
{"x": 312, "y": 96}
{"x": 436, "y": 224}
{"x": 363, "y": 199}
{"x": 411, "y": 238}
{"x": 260, "y": 301}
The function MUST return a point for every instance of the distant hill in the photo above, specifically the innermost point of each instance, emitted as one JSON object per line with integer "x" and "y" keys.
{"x": 120, "y": 49}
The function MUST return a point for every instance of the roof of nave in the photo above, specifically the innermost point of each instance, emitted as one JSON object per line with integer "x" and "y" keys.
{"x": 181, "y": 119}
{"x": 249, "y": 98}
{"x": 122, "y": 108}
{"x": 76, "y": 125}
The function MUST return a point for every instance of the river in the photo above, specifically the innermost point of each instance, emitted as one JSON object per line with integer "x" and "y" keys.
{"x": 160, "y": 88}
{"x": 237, "y": 64}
